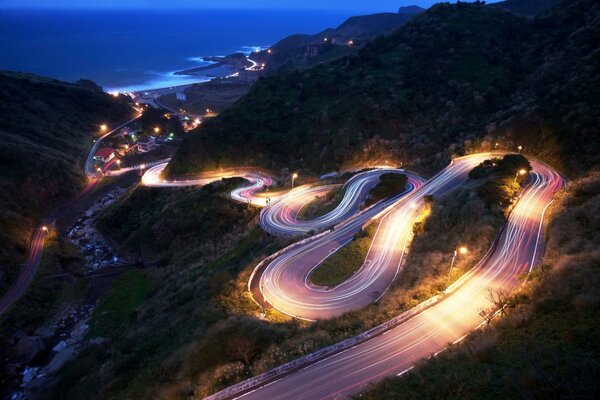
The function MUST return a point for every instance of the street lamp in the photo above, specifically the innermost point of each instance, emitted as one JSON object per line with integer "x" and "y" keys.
{"x": 520, "y": 148}
{"x": 156, "y": 129}
{"x": 294, "y": 176}
{"x": 519, "y": 172}
{"x": 103, "y": 127}
{"x": 461, "y": 250}
{"x": 45, "y": 228}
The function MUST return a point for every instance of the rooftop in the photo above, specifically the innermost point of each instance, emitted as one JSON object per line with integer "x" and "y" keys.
{"x": 105, "y": 152}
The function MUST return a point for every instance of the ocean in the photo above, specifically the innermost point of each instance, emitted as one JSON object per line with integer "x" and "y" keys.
{"x": 135, "y": 50}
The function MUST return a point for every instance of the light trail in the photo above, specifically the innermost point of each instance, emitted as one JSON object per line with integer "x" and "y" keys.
{"x": 285, "y": 282}
{"x": 447, "y": 321}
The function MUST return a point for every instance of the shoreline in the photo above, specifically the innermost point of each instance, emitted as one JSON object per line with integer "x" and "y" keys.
{"x": 194, "y": 70}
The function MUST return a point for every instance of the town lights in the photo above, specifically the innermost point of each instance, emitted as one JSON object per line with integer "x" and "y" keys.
{"x": 294, "y": 176}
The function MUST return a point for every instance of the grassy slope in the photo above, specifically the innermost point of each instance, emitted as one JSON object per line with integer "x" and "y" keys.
{"x": 547, "y": 346}
{"x": 45, "y": 130}
{"x": 153, "y": 319}
{"x": 342, "y": 264}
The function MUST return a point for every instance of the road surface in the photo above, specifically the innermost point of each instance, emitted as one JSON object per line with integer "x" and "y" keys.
{"x": 285, "y": 282}
{"x": 447, "y": 321}
{"x": 281, "y": 218}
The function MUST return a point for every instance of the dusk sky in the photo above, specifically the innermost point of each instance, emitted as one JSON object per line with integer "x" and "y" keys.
{"x": 363, "y": 5}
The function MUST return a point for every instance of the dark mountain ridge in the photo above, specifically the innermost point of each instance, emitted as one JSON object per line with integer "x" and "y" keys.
{"x": 302, "y": 50}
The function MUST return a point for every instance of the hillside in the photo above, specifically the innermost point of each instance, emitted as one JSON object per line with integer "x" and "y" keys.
{"x": 45, "y": 131}
{"x": 454, "y": 78}
{"x": 546, "y": 347}
{"x": 528, "y": 8}
{"x": 302, "y": 50}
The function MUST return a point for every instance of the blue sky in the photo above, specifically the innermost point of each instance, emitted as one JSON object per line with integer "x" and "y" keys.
{"x": 362, "y": 5}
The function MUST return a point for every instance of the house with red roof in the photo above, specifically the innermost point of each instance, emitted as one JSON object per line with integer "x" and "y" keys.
{"x": 104, "y": 154}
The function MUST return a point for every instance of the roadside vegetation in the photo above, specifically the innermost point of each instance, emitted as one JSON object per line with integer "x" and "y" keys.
{"x": 127, "y": 292}
{"x": 547, "y": 346}
{"x": 342, "y": 264}
{"x": 389, "y": 185}
{"x": 321, "y": 205}
{"x": 163, "y": 325}
{"x": 178, "y": 226}
{"x": 186, "y": 326}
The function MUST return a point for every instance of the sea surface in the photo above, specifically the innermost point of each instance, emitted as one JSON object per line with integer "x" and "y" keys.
{"x": 135, "y": 50}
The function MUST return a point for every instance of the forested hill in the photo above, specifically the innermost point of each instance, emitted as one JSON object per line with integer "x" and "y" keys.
{"x": 454, "y": 78}
{"x": 45, "y": 131}
{"x": 304, "y": 50}
{"x": 529, "y": 8}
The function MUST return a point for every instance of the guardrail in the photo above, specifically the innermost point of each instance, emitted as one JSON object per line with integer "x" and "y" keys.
{"x": 326, "y": 352}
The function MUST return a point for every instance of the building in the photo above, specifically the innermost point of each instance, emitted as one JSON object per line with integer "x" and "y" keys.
{"x": 146, "y": 143}
{"x": 126, "y": 132}
{"x": 105, "y": 154}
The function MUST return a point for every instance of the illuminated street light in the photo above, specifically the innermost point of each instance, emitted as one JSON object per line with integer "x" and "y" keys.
{"x": 294, "y": 176}
{"x": 269, "y": 51}
{"x": 103, "y": 127}
{"x": 520, "y": 148}
{"x": 119, "y": 163}
{"x": 461, "y": 250}
{"x": 350, "y": 42}
{"x": 45, "y": 228}
{"x": 156, "y": 129}
{"x": 519, "y": 172}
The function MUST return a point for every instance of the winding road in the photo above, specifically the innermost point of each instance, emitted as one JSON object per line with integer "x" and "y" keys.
{"x": 284, "y": 283}
{"x": 449, "y": 320}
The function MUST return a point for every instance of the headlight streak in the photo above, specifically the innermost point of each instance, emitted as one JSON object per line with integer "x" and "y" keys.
{"x": 449, "y": 320}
